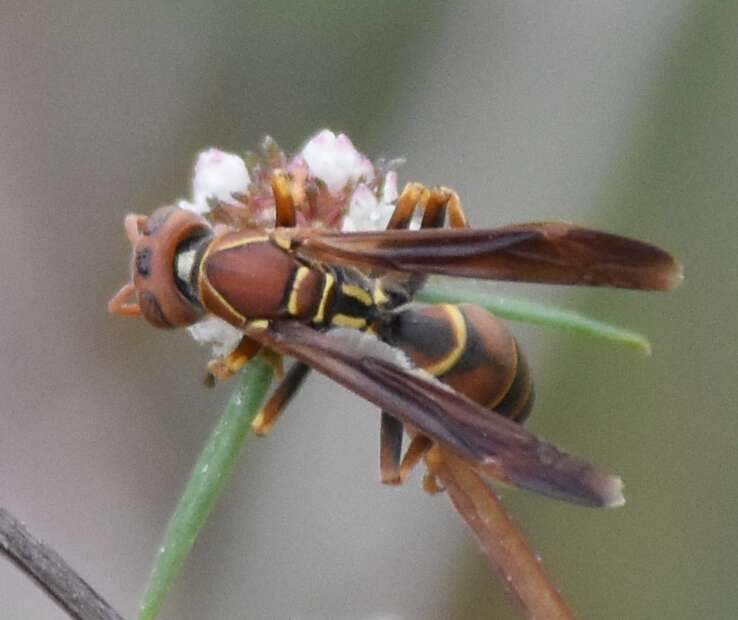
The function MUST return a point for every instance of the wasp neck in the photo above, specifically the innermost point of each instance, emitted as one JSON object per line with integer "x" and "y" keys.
{"x": 187, "y": 264}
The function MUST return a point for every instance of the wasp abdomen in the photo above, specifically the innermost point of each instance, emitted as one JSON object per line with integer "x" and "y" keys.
{"x": 518, "y": 401}
{"x": 467, "y": 348}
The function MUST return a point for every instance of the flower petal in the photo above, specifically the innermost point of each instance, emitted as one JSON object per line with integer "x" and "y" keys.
{"x": 335, "y": 161}
{"x": 218, "y": 175}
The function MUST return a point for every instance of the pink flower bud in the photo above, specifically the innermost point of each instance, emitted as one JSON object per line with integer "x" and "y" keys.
{"x": 335, "y": 161}
{"x": 218, "y": 175}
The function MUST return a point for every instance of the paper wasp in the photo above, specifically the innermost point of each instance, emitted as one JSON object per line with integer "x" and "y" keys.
{"x": 341, "y": 303}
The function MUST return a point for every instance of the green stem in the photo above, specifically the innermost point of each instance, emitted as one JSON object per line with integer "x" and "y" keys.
{"x": 211, "y": 471}
{"x": 537, "y": 314}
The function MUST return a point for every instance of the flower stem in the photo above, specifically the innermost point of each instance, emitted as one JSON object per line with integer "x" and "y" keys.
{"x": 537, "y": 314}
{"x": 211, "y": 471}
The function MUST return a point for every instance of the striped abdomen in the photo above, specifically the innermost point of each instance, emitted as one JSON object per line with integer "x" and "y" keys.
{"x": 467, "y": 348}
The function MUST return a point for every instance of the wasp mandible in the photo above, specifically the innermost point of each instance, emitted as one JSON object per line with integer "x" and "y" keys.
{"x": 342, "y": 303}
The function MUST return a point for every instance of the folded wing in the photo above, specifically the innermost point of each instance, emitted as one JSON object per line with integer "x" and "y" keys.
{"x": 547, "y": 252}
{"x": 496, "y": 446}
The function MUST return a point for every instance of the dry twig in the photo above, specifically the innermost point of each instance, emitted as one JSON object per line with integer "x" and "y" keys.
{"x": 55, "y": 577}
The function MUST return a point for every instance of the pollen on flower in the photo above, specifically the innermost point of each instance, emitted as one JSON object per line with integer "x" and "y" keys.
{"x": 213, "y": 331}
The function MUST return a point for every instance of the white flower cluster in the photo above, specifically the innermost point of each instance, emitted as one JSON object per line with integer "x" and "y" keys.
{"x": 218, "y": 175}
{"x": 366, "y": 211}
{"x": 332, "y": 159}
{"x": 335, "y": 161}
{"x": 222, "y": 337}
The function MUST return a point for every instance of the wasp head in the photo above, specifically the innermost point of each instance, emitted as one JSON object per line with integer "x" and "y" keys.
{"x": 160, "y": 296}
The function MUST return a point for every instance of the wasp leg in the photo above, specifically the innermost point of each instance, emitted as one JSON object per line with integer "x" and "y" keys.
{"x": 390, "y": 448}
{"x": 279, "y": 399}
{"x": 436, "y": 204}
{"x": 412, "y": 196}
{"x": 443, "y": 201}
{"x": 433, "y": 459}
{"x": 284, "y": 203}
{"x": 393, "y": 470}
{"x": 274, "y": 359}
{"x": 419, "y": 446}
{"x": 434, "y": 213}
{"x": 456, "y": 217}
{"x": 224, "y": 367}
{"x": 431, "y": 485}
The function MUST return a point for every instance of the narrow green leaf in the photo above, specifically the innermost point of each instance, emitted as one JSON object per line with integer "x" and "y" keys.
{"x": 211, "y": 471}
{"x": 537, "y": 314}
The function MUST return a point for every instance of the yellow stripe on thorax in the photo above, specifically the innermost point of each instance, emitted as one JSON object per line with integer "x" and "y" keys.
{"x": 202, "y": 281}
{"x": 292, "y": 306}
{"x": 380, "y": 297}
{"x": 237, "y": 243}
{"x": 344, "y": 320}
{"x": 357, "y": 293}
{"x": 327, "y": 288}
{"x": 458, "y": 329}
{"x": 283, "y": 242}
{"x": 258, "y": 325}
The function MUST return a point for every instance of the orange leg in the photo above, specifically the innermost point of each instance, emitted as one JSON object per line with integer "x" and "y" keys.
{"x": 224, "y": 367}
{"x": 456, "y": 217}
{"x": 433, "y": 460}
{"x": 413, "y": 195}
{"x": 443, "y": 202}
{"x": 279, "y": 399}
{"x": 274, "y": 359}
{"x": 419, "y": 445}
{"x": 390, "y": 448}
{"x": 392, "y": 470}
{"x": 437, "y": 205}
{"x": 284, "y": 203}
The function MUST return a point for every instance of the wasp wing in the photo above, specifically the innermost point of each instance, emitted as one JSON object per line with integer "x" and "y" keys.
{"x": 495, "y": 445}
{"x": 547, "y": 252}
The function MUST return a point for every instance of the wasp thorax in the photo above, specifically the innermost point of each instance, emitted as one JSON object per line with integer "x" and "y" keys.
{"x": 165, "y": 299}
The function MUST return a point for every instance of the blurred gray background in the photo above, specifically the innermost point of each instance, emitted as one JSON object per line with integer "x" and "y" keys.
{"x": 619, "y": 115}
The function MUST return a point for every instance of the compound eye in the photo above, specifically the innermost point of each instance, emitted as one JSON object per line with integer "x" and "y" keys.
{"x": 143, "y": 262}
{"x": 151, "y": 309}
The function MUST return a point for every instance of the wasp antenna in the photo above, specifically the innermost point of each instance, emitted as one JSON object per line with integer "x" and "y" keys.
{"x": 133, "y": 223}
{"x": 119, "y": 304}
